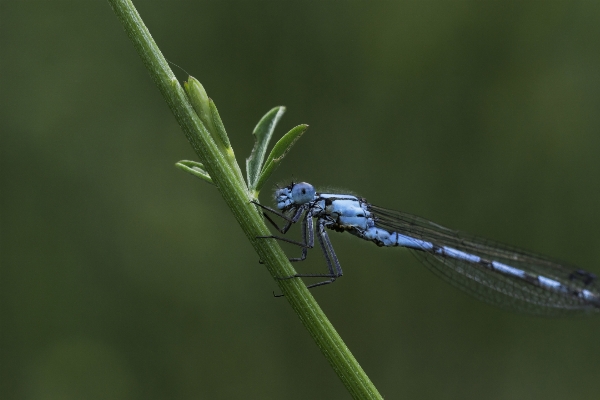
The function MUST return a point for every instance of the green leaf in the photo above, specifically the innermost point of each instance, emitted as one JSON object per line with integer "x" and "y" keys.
{"x": 218, "y": 124}
{"x": 206, "y": 110}
{"x": 209, "y": 116}
{"x": 195, "y": 168}
{"x": 199, "y": 99}
{"x": 279, "y": 151}
{"x": 262, "y": 135}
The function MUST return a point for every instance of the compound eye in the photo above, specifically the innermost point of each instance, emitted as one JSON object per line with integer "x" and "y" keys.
{"x": 303, "y": 193}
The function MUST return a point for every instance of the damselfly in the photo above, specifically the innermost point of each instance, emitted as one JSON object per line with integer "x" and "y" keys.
{"x": 499, "y": 274}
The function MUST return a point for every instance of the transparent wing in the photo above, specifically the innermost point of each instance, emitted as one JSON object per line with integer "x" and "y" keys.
{"x": 506, "y": 291}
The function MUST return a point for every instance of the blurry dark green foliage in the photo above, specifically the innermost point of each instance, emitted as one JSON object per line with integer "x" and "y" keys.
{"x": 122, "y": 277}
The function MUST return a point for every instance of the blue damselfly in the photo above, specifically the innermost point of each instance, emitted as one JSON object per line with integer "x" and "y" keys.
{"x": 496, "y": 273}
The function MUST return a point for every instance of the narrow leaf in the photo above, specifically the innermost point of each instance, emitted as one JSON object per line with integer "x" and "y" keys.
{"x": 200, "y": 101}
{"x": 195, "y": 168}
{"x": 218, "y": 124}
{"x": 279, "y": 151}
{"x": 262, "y": 136}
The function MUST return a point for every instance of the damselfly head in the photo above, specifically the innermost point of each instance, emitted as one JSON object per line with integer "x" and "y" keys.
{"x": 302, "y": 193}
{"x": 294, "y": 195}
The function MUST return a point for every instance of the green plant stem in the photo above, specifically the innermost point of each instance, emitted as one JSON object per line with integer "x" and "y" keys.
{"x": 237, "y": 198}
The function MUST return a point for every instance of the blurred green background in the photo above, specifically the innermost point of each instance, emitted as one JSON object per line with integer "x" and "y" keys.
{"x": 124, "y": 278}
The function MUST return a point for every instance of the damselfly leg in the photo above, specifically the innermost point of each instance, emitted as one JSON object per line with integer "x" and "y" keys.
{"x": 333, "y": 265}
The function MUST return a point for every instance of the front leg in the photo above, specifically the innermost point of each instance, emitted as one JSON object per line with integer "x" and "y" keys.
{"x": 308, "y": 238}
{"x": 290, "y": 221}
